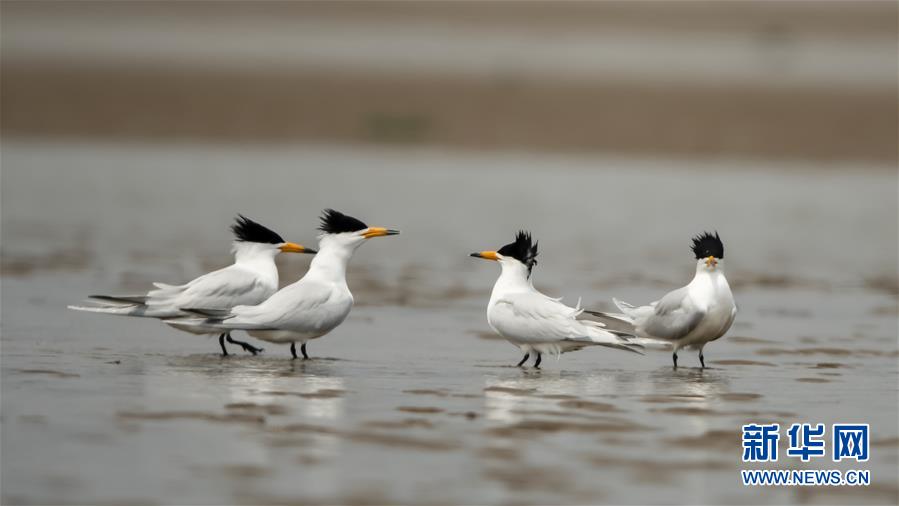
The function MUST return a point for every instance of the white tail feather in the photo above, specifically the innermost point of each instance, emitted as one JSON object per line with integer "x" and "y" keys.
{"x": 133, "y": 310}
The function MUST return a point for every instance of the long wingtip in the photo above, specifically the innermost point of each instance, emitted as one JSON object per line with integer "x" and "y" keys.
{"x": 120, "y": 310}
{"x": 623, "y": 347}
{"x": 206, "y": 312}
{"x": 134, "y": 300}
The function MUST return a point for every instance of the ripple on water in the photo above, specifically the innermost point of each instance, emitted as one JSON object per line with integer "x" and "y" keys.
{"x": 424, "y": 391}
{"x": 325, "y": 393}
{"x": 49, "y": 372}
{"x": 252, "y": 407}
{"x": 557, "y": 396}
{"x": 290, "y": 441}
{"x": 367, "y": 437}
{"x": 500, "y": 453}
{"x": 671, "y": 398}
{"x": 828, "y": 365}
{"x": 529, "y": 478}
{"x": 420, "y": 409}
{"x": 745, "y": 362}
{"x": 688, "y": 411}
{"x": 657, "y": 470}
{"x": 401, "y": 441}
{"x": 740, "y": 396}
{"x": 601, "y": 407}
{"x": 818, "y": 350}
{"x": 510, "y": 390}
{"x": 716, "y": 439}
{"x": 527, "y": 428}
{"x": 245, "y": 471}
{"x": 405, "y": 423}
{"x": 749, "y": 340}
{"x": 468, "y": 415}
{"x": 768, "y": 414}
{"x": 568, "y": 414}
{"x": 193, "y": 415}
{"x": 885, "y": 442}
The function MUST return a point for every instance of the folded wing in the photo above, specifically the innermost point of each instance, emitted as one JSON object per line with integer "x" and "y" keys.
{"x": 538, "y": 318}
{"x": 671, "y": 318}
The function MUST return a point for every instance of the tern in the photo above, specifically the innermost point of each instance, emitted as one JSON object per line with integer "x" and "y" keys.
{"x": 308, "y": 308}
{"x": 693, "y": 315}
{"x": 533, "y": 321}
{"x": 251, "y": 279}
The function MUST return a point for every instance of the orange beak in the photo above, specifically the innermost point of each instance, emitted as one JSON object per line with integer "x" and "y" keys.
{"x": 711, "y": 262}
{"x": 290, "y": 247}
{"x": 379, "y": 232}
{"x": 486, "y": 255}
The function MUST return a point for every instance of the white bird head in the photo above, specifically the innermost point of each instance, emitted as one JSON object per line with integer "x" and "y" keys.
{"x": 339, "y": 229}
{"x": 521, "y": 254}
{"x": 709, "y": 251}
{"x": 251, "y": 236}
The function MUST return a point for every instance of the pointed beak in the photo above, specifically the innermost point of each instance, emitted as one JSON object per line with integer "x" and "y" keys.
{"x": 379, "y": 232}
{"x": 290, "y": 247}
{"x": 486, "y": 255}
{"x": 711, "y": 262}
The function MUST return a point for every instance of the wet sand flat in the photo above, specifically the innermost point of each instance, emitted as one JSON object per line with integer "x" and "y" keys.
{"x": 405, "y": 403}
{"x": 800, "y": 80}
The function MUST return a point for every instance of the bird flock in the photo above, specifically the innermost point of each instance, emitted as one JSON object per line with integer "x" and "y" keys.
{"x": 245, "y": 296}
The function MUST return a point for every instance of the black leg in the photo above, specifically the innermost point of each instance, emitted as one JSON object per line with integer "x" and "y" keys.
{"x": 246, "y": 346}
{"x": 539, "y": 358}
{"x": 701, "y": 359}
{"x": 674, "y": 356}
{"x": 293, "y": 350}
{"x": 222, "y": 344}
{"x": 525, "y": 359}
{"x": 303, "y": 349}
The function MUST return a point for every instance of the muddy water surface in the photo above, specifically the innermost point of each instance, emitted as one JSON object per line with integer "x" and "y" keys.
{"x": 413, "y": 400}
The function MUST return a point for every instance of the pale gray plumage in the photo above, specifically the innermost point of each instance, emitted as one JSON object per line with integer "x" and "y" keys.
{"x": 307, "y": 309}
{"x": 691, "y": 316}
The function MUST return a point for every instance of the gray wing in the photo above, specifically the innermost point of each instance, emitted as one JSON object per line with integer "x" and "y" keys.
{"x": 609, "y": 322}
{"x": 221, "y": 289}
{"x": 303, "y": 306}
{"x": 673, "y": 317}
{"x": 138, "y": 300}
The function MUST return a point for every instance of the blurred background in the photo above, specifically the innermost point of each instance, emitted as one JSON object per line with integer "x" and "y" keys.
{"x": 133, "y": 133}
{"x": 644, "y": 122}
{"x": 795, "y": 80}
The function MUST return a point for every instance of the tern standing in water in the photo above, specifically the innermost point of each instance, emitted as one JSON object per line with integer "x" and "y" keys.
{"x": 693, "y": 315}
{"x": 532, "y": 321}
{"x": 308, "y": 308}
{"x": 251, "y": 279}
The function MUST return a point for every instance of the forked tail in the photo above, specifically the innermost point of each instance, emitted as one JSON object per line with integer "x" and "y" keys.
{"x": 126, "y": 305}
{"x": 132, "y": 310}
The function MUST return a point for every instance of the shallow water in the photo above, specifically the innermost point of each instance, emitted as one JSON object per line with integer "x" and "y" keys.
{"x": 412, "y": 400}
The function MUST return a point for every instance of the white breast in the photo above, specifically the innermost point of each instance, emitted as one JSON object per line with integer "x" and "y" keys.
{"x": 716, "y": 298}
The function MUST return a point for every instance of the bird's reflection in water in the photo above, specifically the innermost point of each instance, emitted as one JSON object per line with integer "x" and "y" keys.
{"x": 289, "y": 393}
{"x": 691, "y": 394}
{"x": 311, "y": 389}
{"x": 701, "y": 385}
{"x": 315, "y": 391}
{"x": 510, "y": 396}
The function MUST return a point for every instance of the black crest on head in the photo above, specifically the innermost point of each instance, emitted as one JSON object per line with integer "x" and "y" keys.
{"x": 708, "y": 245}
{"x": 335, "y": 222}
{"x": 247, "y": 230}
{"x": 524, "y": 249}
